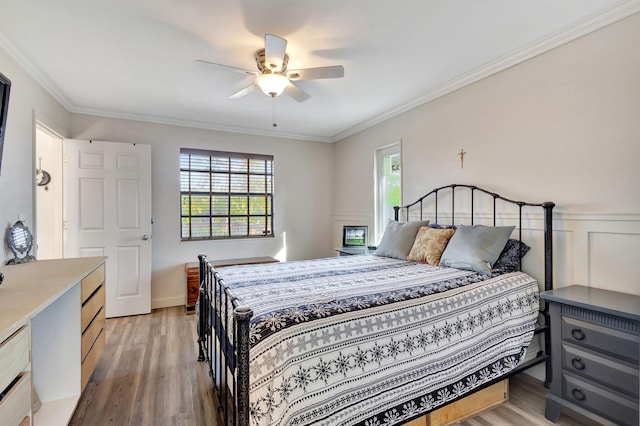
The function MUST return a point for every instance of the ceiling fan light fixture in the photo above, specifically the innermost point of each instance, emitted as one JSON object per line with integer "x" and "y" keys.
{"x": 272, "y": 84}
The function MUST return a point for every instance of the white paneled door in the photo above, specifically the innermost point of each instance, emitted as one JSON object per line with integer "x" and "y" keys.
{"x": 107, "y": 211}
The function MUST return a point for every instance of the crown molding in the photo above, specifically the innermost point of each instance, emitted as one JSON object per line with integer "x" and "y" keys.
{"x": 34, "y": 72}
{"x": 587, "y": 25}
{"x": 583, "y": 27}
{"x": 197, "y": 125}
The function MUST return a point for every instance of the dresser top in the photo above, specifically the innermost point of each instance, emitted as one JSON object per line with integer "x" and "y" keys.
{"x": 610, "y": 302}
{"x": 30, "y": 287}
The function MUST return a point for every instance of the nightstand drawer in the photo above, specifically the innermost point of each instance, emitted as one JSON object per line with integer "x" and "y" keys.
{"x": 606, "y": 370}
{"x": 603, "y": 339}
{"x": 613, "y": 406}
{"x": 14, "y": 356}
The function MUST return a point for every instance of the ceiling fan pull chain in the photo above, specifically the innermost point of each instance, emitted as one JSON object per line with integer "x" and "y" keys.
{"x": 273, "y": 110}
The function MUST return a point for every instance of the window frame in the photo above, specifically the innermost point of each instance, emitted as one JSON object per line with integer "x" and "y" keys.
{"x": 380, "y": 186}
{"x": 268, "y": 194}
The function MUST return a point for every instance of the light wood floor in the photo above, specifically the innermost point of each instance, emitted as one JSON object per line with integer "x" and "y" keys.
{"x": 148, "y": 375}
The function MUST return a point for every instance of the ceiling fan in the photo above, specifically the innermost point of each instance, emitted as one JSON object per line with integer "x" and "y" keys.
{"x": 273, "y": 77}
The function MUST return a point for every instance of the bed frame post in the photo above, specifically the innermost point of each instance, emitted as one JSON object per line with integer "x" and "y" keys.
{"x": 396, "y": 212}
{"x": 242, "y": 315}
{"x": 548, "y": 245}
{"x": 202, "y": 320}
{"x": 548, "y": 284}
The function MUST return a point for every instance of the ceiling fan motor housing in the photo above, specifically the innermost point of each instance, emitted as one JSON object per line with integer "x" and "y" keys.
{"x": 270, "y": 68}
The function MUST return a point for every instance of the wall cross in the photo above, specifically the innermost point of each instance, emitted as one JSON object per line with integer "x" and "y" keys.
{"x": 461, "y": 154}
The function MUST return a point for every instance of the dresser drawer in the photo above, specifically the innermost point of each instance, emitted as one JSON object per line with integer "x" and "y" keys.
{"x": 609, "y": 404}
{"x": 91, "y": 333}
{"x": 91, "y": 308}
{"x": 607, "y": 340}
{"x": 14, "y": 356}
{"x": 16, "y": 403}
{"x": 91, "y": 282}
{"x": 90, "y": 361}
{"x": 601, "y": 368}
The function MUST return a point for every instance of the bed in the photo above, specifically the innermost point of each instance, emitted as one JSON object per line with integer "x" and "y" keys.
{"x": 378, "y": 339}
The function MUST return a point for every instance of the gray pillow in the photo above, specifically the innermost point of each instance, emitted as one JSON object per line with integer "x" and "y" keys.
{"x": 475, "y": 248}
{"x": 398, "y": 239}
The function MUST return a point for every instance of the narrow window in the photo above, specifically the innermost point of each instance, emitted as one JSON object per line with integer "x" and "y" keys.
{"x": 225, "y": 195}
{"x": 388, "y": 183}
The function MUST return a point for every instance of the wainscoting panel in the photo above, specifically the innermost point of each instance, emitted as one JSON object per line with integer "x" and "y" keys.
{"x": 605, "y": 251}
{"x": 614, "y": 261}
{"x": 596, "y": 250}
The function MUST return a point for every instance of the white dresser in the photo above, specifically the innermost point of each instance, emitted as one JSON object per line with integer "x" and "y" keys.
{"x": 51, "y": 336}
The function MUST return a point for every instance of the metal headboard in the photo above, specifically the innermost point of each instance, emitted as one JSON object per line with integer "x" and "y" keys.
{"x": 451, "y": 189}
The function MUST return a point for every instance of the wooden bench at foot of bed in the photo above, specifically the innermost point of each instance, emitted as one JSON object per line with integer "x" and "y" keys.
{"x": 465, "y": 407}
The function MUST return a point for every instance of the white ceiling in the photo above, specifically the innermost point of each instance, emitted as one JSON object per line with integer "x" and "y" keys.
{"x": 135, "y": 58}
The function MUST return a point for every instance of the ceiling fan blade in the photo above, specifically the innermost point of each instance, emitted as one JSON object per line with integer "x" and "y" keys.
{"x": 243, "y": 92}
{"x": 336, "y": 71}
{"x": 274, "y": 49}
{"x": 227, "y": 67}
{"x": 296, "y": 93}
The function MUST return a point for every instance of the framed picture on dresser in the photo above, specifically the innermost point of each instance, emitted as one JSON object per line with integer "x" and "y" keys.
{"x": 355, "y": 236}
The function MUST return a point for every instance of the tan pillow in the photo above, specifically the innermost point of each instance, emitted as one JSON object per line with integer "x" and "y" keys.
{"x": 429, "y": 245}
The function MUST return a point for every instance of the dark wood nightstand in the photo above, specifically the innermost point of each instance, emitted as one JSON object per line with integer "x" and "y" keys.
{"x": 595, "y": 351}
{"x": 192, "y": 272}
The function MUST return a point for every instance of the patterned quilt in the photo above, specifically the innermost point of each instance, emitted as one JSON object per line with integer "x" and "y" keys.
{"x": 368, "y": 340}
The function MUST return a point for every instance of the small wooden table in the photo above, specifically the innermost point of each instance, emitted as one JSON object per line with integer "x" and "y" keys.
{"x": 192, "y": 272}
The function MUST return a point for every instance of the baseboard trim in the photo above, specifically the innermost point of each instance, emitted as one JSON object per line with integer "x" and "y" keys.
{"x": 167, "y": 302}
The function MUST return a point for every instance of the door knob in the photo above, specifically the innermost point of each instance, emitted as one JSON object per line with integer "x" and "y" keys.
{"x": 145, "y": 237}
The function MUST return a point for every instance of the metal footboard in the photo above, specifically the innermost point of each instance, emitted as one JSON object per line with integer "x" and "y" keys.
{"x": 223, "y": 342}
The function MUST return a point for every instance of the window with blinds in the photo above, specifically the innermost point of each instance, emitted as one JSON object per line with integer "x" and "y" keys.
{"x": 225, "y": 195}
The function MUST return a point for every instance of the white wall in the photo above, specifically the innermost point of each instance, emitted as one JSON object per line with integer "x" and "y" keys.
{"x": 561, "y": 127}
{"x": 302, "y": 208}
{"x": 28, "y": 102}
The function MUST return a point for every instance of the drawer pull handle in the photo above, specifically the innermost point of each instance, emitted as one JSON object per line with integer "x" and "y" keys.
{"x": 577, "y": 334}
{"x": 578, "y": 394}
{"x": 577, "y": 363}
